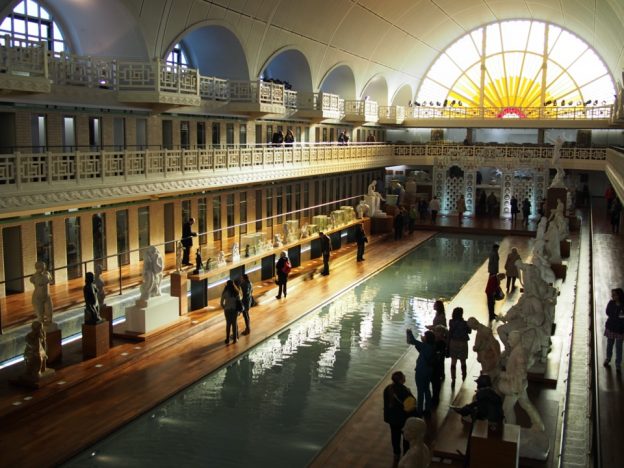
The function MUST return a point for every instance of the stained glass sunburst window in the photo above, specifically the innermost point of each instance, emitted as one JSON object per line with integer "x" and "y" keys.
{"x": 515, "y": 65}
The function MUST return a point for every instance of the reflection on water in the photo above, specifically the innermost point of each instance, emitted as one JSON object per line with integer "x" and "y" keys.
{"x": 280, "y": 403}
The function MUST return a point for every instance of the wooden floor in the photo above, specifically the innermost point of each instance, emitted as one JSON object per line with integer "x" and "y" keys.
{"x": 91, "y": 399}
{"x": 608, "y": 271}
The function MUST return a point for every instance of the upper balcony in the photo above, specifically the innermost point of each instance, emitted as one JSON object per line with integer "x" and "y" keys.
{"x": 23, "y": 66}
{"x": 47, "y": 181}
{"x": 28, "y": 67}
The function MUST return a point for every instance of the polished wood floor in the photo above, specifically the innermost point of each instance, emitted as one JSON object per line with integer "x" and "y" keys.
{"x": 90, "y": 399}
{"x": 608, "y": 272}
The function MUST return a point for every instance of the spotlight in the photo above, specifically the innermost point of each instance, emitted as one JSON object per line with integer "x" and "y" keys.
{"x": 431, "y": 103}
{"x": 547, "y": 103}
{"x": 453, "y": 103}
{"x": 587, "y": 103}
{"x": 562, "y": 102}
{"x": 438, "y": 103}
{"x": 596, "y": 102}
{"x": 461, "y": 104}
{"x": 445, "y": 103}
{"x": 417, "y": 103}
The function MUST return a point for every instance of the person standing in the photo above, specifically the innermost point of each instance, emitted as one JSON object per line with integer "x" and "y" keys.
{"x": 394, "y": 412}
{"x": 434, "y": 207}
{"x": 187, "y": 240}
{"x": 289, "y": 139}
{"x": 461, "y": 208}
{"x": 514, "y": 210}
{"x": 399, "y": 219}
{"x": 326, "y": 249}
{"x": 361, "y": 240}
{"x": 423, "y": 207}
{"x": 493, "y": 260}
{"x": 282, "y": 270}
{"x": 526, "y": 212}
{"x": 511, "y": 270}
{"x": 614, "y": 328}
{"x": 458, "y": 342}
{"x": 492, "y": 289}
{"x": 231, "y": 303}
{"x": 247, "y": 291}
{"x": 424, "y": 369}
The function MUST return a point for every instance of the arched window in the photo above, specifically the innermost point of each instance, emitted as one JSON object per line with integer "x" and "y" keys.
{"x": 31, "y": 22}
{"x": 177, "y": 56}
{"x": 515, "y": 65}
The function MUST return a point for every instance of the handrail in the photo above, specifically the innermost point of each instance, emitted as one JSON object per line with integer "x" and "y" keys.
{"x": 593, "y": 365}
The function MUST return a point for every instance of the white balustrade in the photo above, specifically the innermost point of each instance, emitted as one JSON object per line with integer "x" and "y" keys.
{"x": 22, "y": 57}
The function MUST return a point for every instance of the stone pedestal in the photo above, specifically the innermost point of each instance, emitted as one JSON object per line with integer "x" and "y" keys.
{"x": 156, "y": 312}
{"x": 500, "y": 450}
{"x": 107, "y": 314}
{"x": 554, "y": 194}
{"x": 373, "y": 202}
{"x": 564, "y": 248}
{"x": 25, "y": 381}
{"x": 559, "y": 270}
{"x": 179, "y": 289}
{"x": 391, "y": 210}
{"x": 54, "y": 347}
{"x": 95, "y": 339}
{"x": 382, "y": 225}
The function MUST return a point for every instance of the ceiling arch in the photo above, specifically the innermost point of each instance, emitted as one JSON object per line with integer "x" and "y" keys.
{"x": 376, "y": 90}
{"x": 289, "y": 65}
{"x": 339, "y": 80}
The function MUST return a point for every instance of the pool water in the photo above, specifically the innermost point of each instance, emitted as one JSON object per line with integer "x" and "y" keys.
{"x": 281, "y": 402}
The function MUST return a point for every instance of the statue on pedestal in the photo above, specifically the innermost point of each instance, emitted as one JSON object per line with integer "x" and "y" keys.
{"x": 221, "y": 259}
{"x": 486, "y": 346}
{"x": 558, "y": 218}
{"x": 538, "y": 258}
{"x": 152, "y": 273}
{"x": 235, "y": 253}
{"x": 541, "y": 228}
{"x": 179, "y": 253}
{"x": 41, "y": 300}
{"x": 90, "y": 292}
{"x": 199, "y": 264}
{"x": 374, "y": 198}
{"x": 418, "y": 455}
{"x": 512, "y": 383}
{"x": 362, "y": 209}
{"x": 99, "y": 284}
{"x": 553, "y": 246}
{"x": 35, "y": 356}
{"x": 304, "y": 231}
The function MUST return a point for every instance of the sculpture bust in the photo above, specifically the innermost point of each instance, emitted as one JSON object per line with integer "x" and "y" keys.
{"x": 41, "y": 300}
{"x": 35, "y": 356}
{"x": 418, "y": 454}
{"x": 90, "y": 292}
{"x": 152, "y": 273}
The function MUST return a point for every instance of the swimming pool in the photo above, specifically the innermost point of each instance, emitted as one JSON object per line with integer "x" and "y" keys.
{"x": 279, "y": 404}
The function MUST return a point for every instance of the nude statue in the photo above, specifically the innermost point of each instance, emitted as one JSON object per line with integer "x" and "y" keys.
{"x": 41, "y": 300}
{"x": 35, "y": 356}
{"x": 362, "y": 209}
{"x": 512, "y": 383}
{"x": 90, "y": 292}
{"x": 374, "y": 198}
{"x": 486, "y": 346}
{"x": 418, "y": 455}
{"x": 557, "y": 217}
{"x": 558, "y": 180}
{"x": 235, "y": 252}
{"x": 152, "y": 273}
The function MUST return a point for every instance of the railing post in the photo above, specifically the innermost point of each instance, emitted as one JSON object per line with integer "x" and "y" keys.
{"x": 49, "y": 167}
{"x": 17, "y": 169}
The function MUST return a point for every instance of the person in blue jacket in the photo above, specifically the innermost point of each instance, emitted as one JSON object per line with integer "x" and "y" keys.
{"x": 424, "y": 369}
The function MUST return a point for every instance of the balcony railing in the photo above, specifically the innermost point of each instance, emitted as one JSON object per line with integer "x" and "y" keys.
{"x": 31, "y": 59}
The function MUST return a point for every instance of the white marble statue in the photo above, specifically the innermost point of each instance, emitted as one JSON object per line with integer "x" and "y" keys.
{"x": 179, "y": 253}
{"x": 277, "y": 241}
{"x": 362, "y": 209}
{"x": 374, "y": 198}
{"x": 287, "y": 232}
{"x": 101, "y": 287}
{"x": 486, "y": 346}
{"x": 558, "y": 218}
{"x": 152, "y": 273}
{"x": 35, "y": 356}
{"x": 512, "y": 383}
{"x": 41, "y": 300}
{"x": 553, "y": 246}
{"x": 418, "y": 455}
{"x": 221, "y": 259}
{"x": 541, "y": 228}
{"x": 558, "y": 180}
{"x": 235, "y": 252}
{"x": 538, "y": 258}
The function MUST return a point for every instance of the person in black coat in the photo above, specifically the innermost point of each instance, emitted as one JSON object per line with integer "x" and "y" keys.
{"x": 326, "y": 249}
{"x": 399, "y": 222}
{"x": 526, "y": 211}
{"x": 614, "y": 327}
{"x": 187, "y": 240}
{"x": 394, "y": 413}
{"x": 282, "y": 269}
{"x": 361, "y": 240}
{"x": 514, "y": 209}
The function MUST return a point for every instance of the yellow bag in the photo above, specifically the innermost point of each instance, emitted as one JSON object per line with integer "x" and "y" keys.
{"x": 409, "y": 404}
